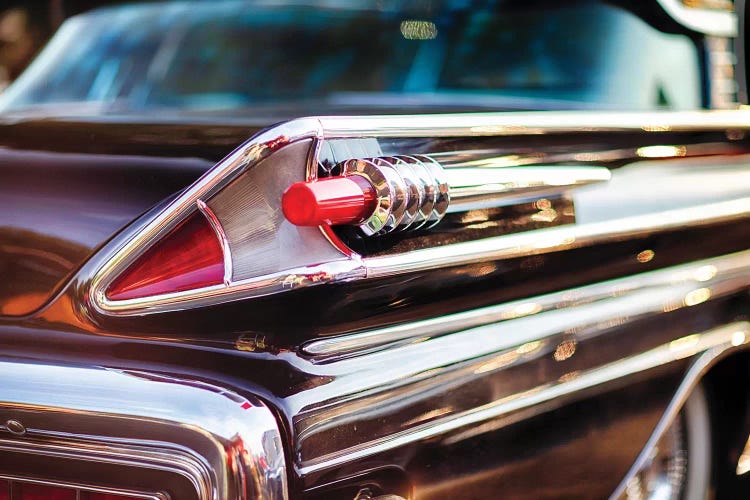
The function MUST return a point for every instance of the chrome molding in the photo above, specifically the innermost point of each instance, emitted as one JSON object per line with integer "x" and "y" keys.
{"x": 666, "y": 286}
{"x": 85, "y": 487}
{"x": 221, "y": 236}
{"x": 344, "y": 265}
{"x": 370, "y": 374}
{"x": 88, "y": 413}
{"x": 555, "y": 239}
{"x": 710, "y": 345}
{"x": 473, "y": 188}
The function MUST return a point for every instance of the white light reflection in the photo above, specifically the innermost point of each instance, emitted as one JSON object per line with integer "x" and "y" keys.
{"x": 738, "y": 338}
{"x": 685, "y": 346}
{"x": 697, "y": 296}
{"x": 705, "y": 273}
{"x": 661, "y": 151}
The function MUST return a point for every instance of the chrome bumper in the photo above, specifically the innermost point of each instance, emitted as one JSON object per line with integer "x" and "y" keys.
{"x": 197, "y": 439}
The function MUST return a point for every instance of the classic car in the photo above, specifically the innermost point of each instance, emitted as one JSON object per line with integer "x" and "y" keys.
{"x": 378, "y": 249}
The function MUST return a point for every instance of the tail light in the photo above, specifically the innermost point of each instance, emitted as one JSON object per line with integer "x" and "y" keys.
{"x": 27, "y": 490}
{"x": 188, "y": 257}
{"x": 309, "y": 201}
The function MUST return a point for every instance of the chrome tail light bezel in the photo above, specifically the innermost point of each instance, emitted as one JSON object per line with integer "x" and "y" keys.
{"x": 337, "y": 262}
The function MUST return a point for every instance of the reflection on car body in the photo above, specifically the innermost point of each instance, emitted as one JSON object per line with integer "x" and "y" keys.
{"x": 378, "y": 249}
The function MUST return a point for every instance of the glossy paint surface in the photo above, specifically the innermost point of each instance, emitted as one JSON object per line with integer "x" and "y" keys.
{"x": 68, "y": 195}
{"x": 472, "y": 408}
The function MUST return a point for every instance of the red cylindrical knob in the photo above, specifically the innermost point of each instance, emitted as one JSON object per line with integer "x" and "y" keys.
{"x": 334, "y": 200}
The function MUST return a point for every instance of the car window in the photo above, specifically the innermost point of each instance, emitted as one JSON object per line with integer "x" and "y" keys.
{"x": 334, "y": 55}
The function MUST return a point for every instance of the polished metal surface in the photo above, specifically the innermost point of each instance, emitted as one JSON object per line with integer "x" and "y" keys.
{"x": 710, "y": 345}
{"x": 88, "y": 413}
{"x": 517, "y": 352}
{"x": 667, "y": 286}
{"x": 306, "y": 269}
{"x": 556, "y": 239}
{"x": 85, "y": 488}
{"x": 477, "y": 187}
{"x": 221, "y": 236}
{"x": 390, "y": 194}
{"x": 411, "y": 191}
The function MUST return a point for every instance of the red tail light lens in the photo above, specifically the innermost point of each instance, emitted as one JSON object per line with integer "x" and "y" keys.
{"x": 41, "y": 492}
{"x": 4, "y": 490}
{"x": 189, "y": 257}
{"x": 337, "y": 200}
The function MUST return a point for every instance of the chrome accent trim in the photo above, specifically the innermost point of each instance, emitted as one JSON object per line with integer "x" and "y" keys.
{"x": 219, "y": 230}
{"x": 237, "y": 456}
{"x": 484, "y": 186}
{"x": 328, "y": 272}
{"x": 428, "y": 197}
{"x": 739, "y": 335}
{"x": 387, "y": 198}
{"x": 399, "y": 194}
{"x": 487, "y": 349}
{"x": 415, "y": 190}
{"x": 84, "y": 487}
{"x": 123, "y": 250}
{"x": 708, "y": 21}
{"x": 528, "y": 123}
{"x": 411, "y": 191}
{"x": 442, "y": 190}
{"x": 672, "y": 283}
{"x": 426, "y": 190}
{"x": 83, "y": 447}
{"x": 555, "y": 239}
{"x": 711, "y": 344}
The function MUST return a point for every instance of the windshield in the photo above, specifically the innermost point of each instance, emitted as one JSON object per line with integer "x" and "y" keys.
{"x": 338, "y": 55}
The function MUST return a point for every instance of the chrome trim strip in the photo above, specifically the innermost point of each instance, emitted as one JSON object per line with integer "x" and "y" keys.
{"x": 125, "y": 249}
{"x": 485, "y": 186}
{"x": 83, "y": 487}
{"x": 146, "y": 455}
{"x": 709, "y": 21}
{"x": 529, "y": 123}
{"x": 712, "y": 344}
{"x": 555, "y": 239}
{"x": 398, "y": 370}
{"x": 672, "y": 281}
{"x": 91, "y": 412}
{"x": 223, "y": 241}
{"x": 328, "y": 272}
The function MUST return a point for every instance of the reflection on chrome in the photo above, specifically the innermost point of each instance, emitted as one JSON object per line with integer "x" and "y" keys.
{"x": 666, "y": 290}
{"x": 556, "y": 239}
{"x": 373, "y": 370}
{"x": 661, "y": 151}
{"x": 112, "y": 417}
{"x": 710, "y": 345}
{"x": 696, "y": 297}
